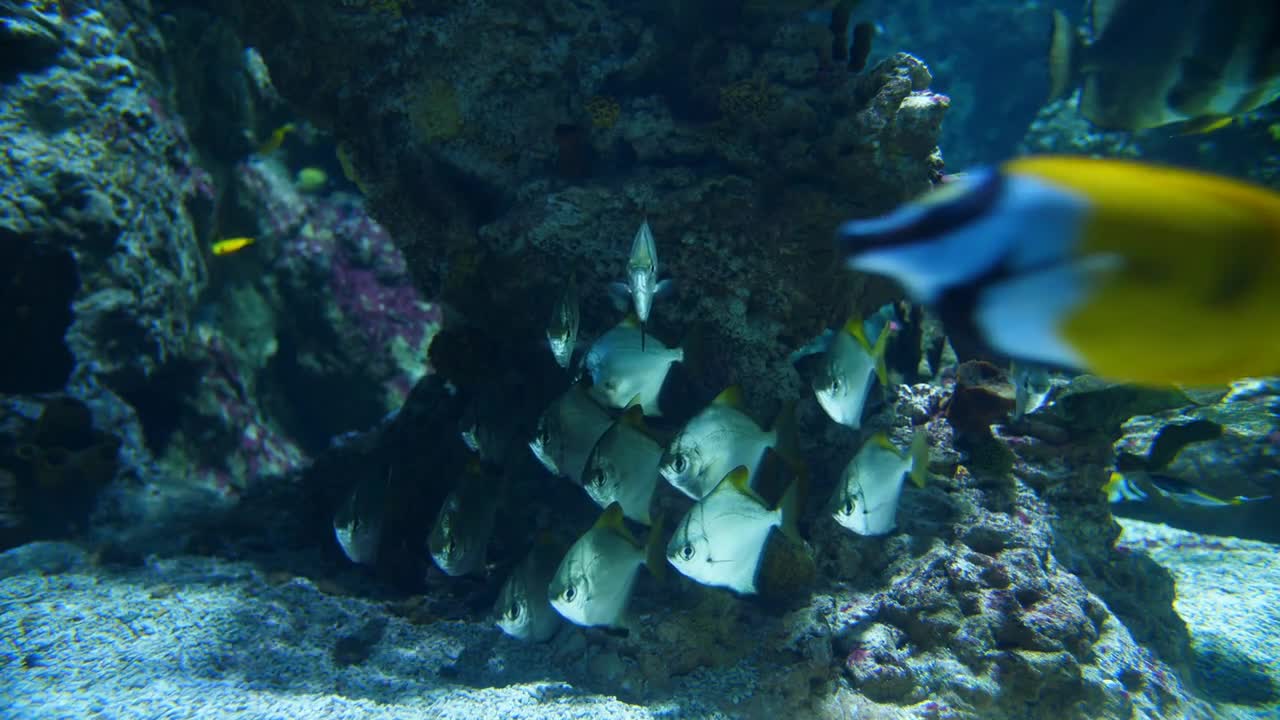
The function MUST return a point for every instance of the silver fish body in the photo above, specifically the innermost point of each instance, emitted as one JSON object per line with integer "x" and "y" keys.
{"x": 1031, "y": 387}
{"x": 522, "y": 608}
{"x": 642, "y": 273}
{"x": 567, "y": 431}
{"x": 722, "y": 538}
{"x": 486, "y": 428}
{"x": 866, "y": 497}
{"x": 595, "y": 579}
{"x": 562, "y": 329}
{"x": 623, "y": 468}
{"x": 358, "y": 523}
{"x": 623, "y": 368}
{"x": 460, "y": 537}
{"x": 715, "y": 441}
{"x": 844, "y": 374}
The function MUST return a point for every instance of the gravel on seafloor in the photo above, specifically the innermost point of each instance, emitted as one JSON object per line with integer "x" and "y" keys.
{"x": 1229, "y": 595}
{"x": 192, "y": 637}
{"x": 195, "y": 637}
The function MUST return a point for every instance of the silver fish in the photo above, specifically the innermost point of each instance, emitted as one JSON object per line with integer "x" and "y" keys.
{"x": 567, "y": 431}
{"x": 523, "y": 609}
{"x": 358, "y": 523}
{"x": 642, "y": 275}
{"x": 866, "y": 498}
{"x": 487, "y": 429}
{"x": 717, "y": 440}
{"x": 562, "y": 329}
{"x": 623, "y": 467}
{"x": 1031, "y": 388}
{"x": 722, "y": 538}
{"x": 594, "y": 581}
{"x": 844, "y": 375}
{"x": 460, "y": 537}
{"x": 622, "y": 368}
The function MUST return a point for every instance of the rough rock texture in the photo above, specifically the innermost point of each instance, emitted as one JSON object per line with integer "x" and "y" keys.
{"x": 195, "y": 364}
{"x": 1224, "y": 590}
{"x": 1244, "y": 149}
{"x": 1228, "y": 449}
{"x": 506, "y": 145}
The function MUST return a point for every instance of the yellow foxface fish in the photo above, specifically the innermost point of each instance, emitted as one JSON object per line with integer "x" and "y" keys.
{"x": 595, "y": 578}
{"x": 523, "y": 609}
{"x": 866, "y": 499}
{"x": 230, "y": 245}
{"x": 721, "y": 539}
{"x": 1130, "y": 271}
{"x": 719, "y": 439}
{"x": 1150, "y": 63}
{"x": 623, "y": 467}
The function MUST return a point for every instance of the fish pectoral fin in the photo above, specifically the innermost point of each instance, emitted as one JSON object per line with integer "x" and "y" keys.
{"x": 664, "y": 288}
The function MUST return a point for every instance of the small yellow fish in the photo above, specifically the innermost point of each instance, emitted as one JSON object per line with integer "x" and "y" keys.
{"x": 273, "y": 143}
{"x": 230, "y": 245}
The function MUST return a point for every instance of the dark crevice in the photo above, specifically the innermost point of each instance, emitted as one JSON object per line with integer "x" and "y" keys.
{"x": 36, "y": 289}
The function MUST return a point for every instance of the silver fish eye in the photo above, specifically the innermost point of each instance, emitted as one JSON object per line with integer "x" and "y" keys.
{"x": 569, "y": 594}
{"x": 515, "y": 611}
{"x": 848, "y": 507}
{"x": 681, "y": 463}
{"x": 837, "y": 382}
{"x": 686, "y": 552}
{"x": 597, "y": 477}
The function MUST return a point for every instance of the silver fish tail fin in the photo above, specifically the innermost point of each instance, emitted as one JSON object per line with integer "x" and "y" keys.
{"x": 789, "y": 509}
{"x": 787, "y": 437}
{"x": 655, "y": 556}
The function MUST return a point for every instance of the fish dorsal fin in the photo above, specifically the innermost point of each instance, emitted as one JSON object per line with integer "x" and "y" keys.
{"x": 877, "y": 352}
{"x": 730, "y": 397}
{"x": 853, "y": 326}
{"x": 882, "y": 440}
{"x": 611, "y": 520}
{"x": 739, "y": 481}
{"x": 633, "y": 416}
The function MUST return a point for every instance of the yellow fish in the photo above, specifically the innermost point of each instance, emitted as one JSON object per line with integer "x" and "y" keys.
{"x": 273, "y": 143}
{"x": 1131, "y": 271}
{"x": 230, "y": 245}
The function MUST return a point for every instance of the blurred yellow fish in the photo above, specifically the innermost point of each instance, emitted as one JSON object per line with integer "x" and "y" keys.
{"x": 1127, "y": 270}
{"x": 230, "y": 245}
